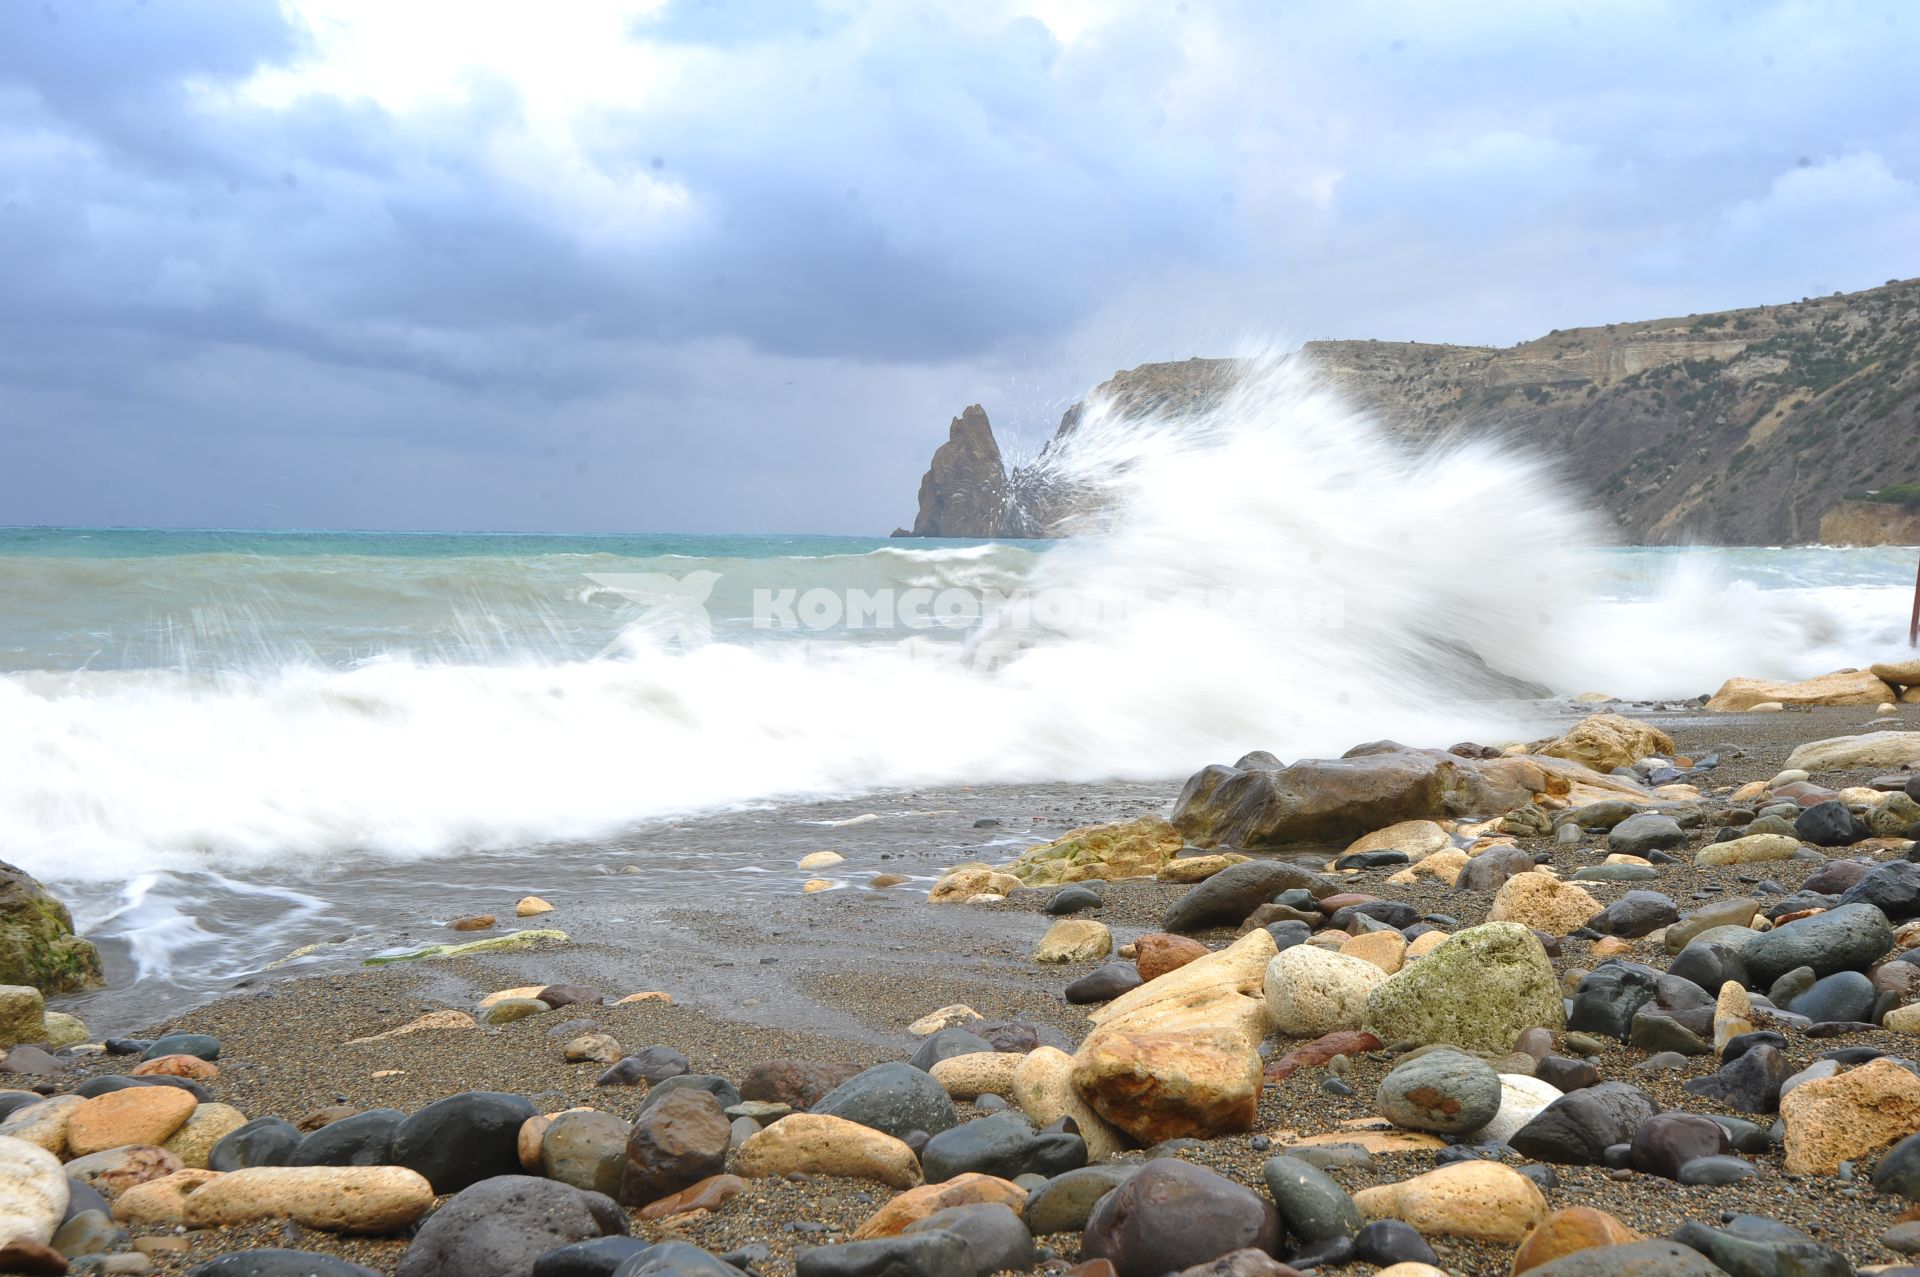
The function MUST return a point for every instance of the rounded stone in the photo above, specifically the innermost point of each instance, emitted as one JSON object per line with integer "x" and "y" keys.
{"x": 1446, "y": 1092}
{"x": 1172, "y": 1215}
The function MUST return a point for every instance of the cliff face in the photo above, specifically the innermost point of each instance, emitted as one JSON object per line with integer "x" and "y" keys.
{"x": 1740, "y": 428}
{"x": 1870, "y": 523}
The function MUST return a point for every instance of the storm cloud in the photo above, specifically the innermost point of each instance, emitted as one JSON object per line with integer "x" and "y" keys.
{"x": 729, "y": 267}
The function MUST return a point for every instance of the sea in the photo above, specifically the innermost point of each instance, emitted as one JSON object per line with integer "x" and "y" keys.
{"x": 221, "y": 745}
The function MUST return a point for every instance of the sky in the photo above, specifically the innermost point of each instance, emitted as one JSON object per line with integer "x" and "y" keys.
{"x": 718, "y": 266}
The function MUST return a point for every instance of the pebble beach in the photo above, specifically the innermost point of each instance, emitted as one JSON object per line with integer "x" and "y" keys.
{"x": 807, "y": 1003}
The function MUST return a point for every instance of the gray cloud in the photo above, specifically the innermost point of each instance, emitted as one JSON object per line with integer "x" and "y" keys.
{"x": 752, "y": 299}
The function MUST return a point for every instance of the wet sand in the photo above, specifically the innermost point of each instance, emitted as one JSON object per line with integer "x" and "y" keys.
{"x": 837, "y": 976}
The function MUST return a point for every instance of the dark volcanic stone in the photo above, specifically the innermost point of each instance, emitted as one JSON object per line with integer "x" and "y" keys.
{"x": 463, "y": 1139}
{"x": 1074, "y": 899}
{"x": 265, "y": 1141}
{"x": 1578, "y": 1127}
{"x": 1709, "y": 964}
{"x": 1750, "y": 1084}
{"x": 1609, "y": 996}
{"x": 1834, "y": 877}
{"x": 1634, "y": 915}
{"x": 1898, "y": 1171}
{"x": 1846, "y": 938}
{"x": 894, "y": 1098}
{"x": 1740, "y": 1044}
{"x": 946, "y": 1044}
{"x": 1171, "y": 1215}
{"x": 655, "y": 1064}
{"x": 1002, "y": 1145}
{"x": 1489, "y": 871}
{"x": 800, "y": 1083}
{"x": 1892, "y": 888}
{"x": 1715, "y": 1171}
{"x": 1635, "y": 1259}
{"x": 1763, "y": 1257}
{"x": 1829, "y": 824}
{"x": 197, "y": 1044}
{"x": 1386, "y": 1242}
{"x": 718, "y": 1087}
{"x": 571, "y": 995}
{"x": 930, "y": 1254}
{"x": 1666, "y": 1141}
{"x": 1230, "y": 895}
{"x": 365, "y": 1139}
{"x": 676, "y": 1259}
{"x": 504, "y": 1225}
{"x": 674, "y": 1145}
{"x": 1103, "y": 984}
{"x": 1845, "y": 997}
{"x": 598, "y": 1257}
{"x": 1313, "y": 1207}
{"x": 1566, "y": 1074}
{"x": 995, "y": 1236}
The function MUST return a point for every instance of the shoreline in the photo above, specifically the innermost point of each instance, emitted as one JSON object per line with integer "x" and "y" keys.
{"x": 837, "y": 976}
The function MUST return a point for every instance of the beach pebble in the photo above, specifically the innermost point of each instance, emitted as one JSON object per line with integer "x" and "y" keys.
{"x": 917, "y": 1203}
{"x": 279, "y": 1263}
{"x": 1447, "y": 1092}
{"x": 1543, "y": 903}
{"x": 137, "y": 1115}
{"x": 1160, "y": 1085}
{"x": 821, "y": 860}
{"x": 1636, "y": 914}
{"x": 358, "y": 1199}
{"x": 1715, "y": 1171}
{"x": 1312, "y": 1206}
{"x": 675, "y": 1144}
{"x": 1384, "y": 949}
{"x": 463, "y": 1139}
{"x": 23, "y": 1012}
{"x": 1392, "y": 1242}
{"x": 1749, "y": 1083}
{"x": 1666, "y": 1141}
{"x": 591, "y": 1048}
{"x": 1229, "y": 896}
{"x": 582, "y": 1148}
{"x": 709, "y": 1194}
{"x": 1568, "y": 1230}
{"x": 944, "y": 1018}
{"x": 193, "y": 1143}
{"x": 1754, "y": 848}
{"x": 892, "y": 1098}
{"x": 820, "y": 1144}
{"x": 1002, "y": 1145}
{"x": 44, "y": 1125}
{"x": 1074, "y": 940}
{"x": 161, "y": 1202}
{"x": 995, "y": 1236}
{"x": 504, "y": 1225}
{"x": 33, "y": 1191}
{"x": 1064, "y": 1202}
{"x": 653, "y": 1065}
{"x": 1848, "y": 1117}
{"x": 595, "y": 1257}
{"x": 1105, "y": 983}
{"x": 946, "y": 1044}
{"x": 1074, "y": 899}
{"x": 91, "y": 1232}
{"x": 115, "y": 1170}
{"x": 1581, "y": 1125}
{"x": 1474, "y": 1199}
{"x": 1172, "y": 1215}
{"x": 967, "y": 1077}
{"x": 571, "y": 995}
{"x": 530, "y": 906}
{"x": 1156, "y": 953}
{"x": 1311, "y": 992}
{"x": 1478, "y": 990}
{"x": 930, "y": 1254}
{"x": 361, "y": 1139}
{"x": 195, "y": 1044}
{"x": 799, "y": 1084}
{"x": 508, "y": 1010}
{"x": 188, "y": 1066}
{"x": 1522, "y": 1098}
{"x": 1647, "y": 831}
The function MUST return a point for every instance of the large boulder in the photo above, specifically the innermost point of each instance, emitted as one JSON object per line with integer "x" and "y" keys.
{"x": 1477, "y": 990}
{"x": 1606, "y": 741}
{"x": 37, "y": 944}
{"x": 1124, "y": 849}
{"x": 1842, "y": 687}
{"x": 1383, "y": 783}
{"x": 1843, "y": 939}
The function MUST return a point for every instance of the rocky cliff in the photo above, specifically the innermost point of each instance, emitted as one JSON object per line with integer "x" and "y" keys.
{"x": 1742, "y": 427}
